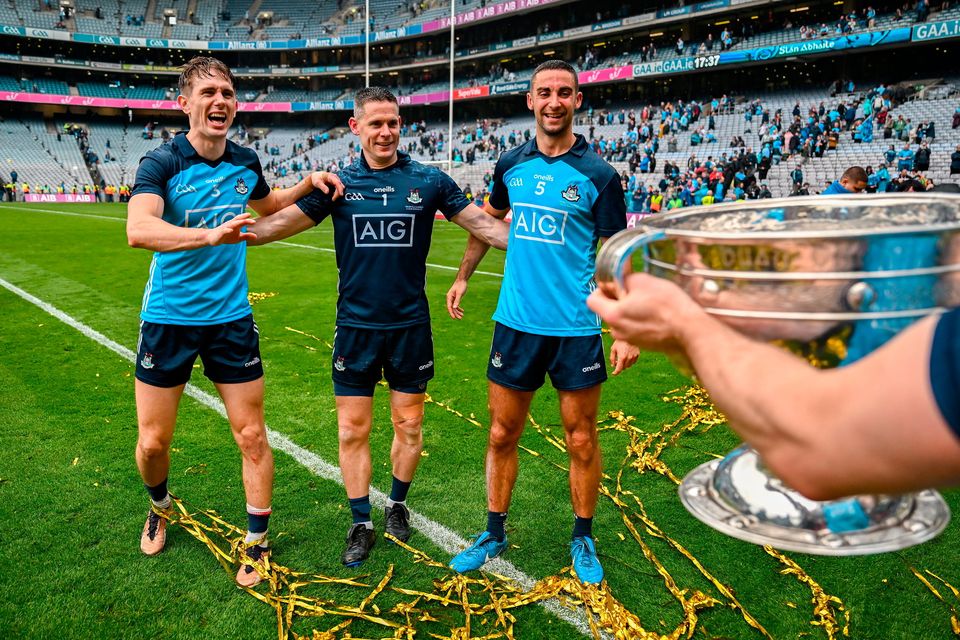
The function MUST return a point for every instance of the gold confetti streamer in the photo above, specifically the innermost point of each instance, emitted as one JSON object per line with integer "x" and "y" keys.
{"x": 954, "y": 616}
{"x": 254, "y": 298}
{"x": 825, "y": 606}
{"x": 499, "y": 596}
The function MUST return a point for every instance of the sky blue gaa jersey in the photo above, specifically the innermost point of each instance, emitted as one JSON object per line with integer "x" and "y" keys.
{"x": 208, "y": 285}
{"x": 382, "y": 228}
{"x": 561, "y": 207}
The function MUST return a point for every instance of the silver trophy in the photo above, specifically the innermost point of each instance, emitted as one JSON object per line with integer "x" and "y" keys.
{"x": 831, "y": 279}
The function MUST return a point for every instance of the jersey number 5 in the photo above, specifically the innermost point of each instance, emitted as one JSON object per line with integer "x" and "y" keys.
{"x": 539, "y": 189}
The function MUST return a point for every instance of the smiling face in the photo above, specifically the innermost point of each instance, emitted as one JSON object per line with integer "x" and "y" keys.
{"x": 210, "y": 103}
{"x": 378, "y": 127}
{"x": 554, "y": 99}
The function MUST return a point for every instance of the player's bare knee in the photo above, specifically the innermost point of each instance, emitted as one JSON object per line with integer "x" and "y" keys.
{"x": 152, "y": 447}
{"x": 252, "y": 441}
{"x": 504, "y": 436}
{"x": 353, "y": 434}
{"x": 409, "y": 429}
{"x": 582, "y": 444}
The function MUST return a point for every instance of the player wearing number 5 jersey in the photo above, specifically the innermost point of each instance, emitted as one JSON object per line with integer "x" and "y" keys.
{"x": 565, "y": 199}
{"x": 382, "y": 230}
{"x": 188, "y": 206}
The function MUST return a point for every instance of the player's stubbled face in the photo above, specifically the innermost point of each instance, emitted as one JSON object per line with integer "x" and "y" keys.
{"x": 378, "y": 128}
{"x": 553, "y": 101}
{"x": 211, "y": 105}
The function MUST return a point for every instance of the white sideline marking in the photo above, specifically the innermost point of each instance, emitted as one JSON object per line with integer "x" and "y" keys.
{"x": 281, "y": 242}
{"x": 443, "y": 537}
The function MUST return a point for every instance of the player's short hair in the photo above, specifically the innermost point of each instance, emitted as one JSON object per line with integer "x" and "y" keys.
{"x": 371, "y": 94}
{"x": 854, "y": 174}
{"x": 556, "y": 65}
{"x": 202, "y": 67}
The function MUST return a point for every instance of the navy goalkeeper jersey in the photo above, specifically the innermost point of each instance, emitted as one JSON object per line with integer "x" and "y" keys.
{"x": 381, "y": 229}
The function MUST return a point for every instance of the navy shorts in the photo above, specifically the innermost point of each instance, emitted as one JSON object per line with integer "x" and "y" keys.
{"x": 521, "y": 360}
{"x": 361, "y": 357}
{"x": 945, "y": 368}
{"x": 230, "y": 352}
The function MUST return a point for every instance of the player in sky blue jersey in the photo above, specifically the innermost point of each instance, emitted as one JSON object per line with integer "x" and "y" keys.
{"x": 382, "y": 229}
{"x": 188, "y": 206}
{"x": 565, "y": 199}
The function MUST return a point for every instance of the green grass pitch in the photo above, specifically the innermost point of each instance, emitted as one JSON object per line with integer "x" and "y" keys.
{"x": 72, "y": 504}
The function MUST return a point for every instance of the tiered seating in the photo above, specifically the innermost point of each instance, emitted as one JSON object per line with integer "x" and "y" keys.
{"x": 9, "y": 15}
{"x": 232, "y": 29}
{"x": 146, "y": 93}
{"x": 86, "y": 19}
{"x": 9, "y": 84}
{"x": 302, "y": 95}
{"x": 204, "y": 22}
{"x": 127, "y": 146}
{"x": 99, "y": 90}
{"x": 38, "y": 157}
{"x": 46, "y": 85}
{"x": 41, "y": 19}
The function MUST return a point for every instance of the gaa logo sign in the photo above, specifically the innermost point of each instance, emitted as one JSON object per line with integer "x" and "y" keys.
{"x": 539, "y": 224}
{"x": 11, "y": 31}
{"x": 383, "y": 230}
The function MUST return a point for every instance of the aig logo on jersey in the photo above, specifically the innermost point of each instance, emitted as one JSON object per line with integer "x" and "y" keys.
{"x": 383, "y": 230}
{"x": 539, "y": 223}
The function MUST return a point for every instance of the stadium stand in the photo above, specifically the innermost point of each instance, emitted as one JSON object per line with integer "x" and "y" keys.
{"x": 287, "y": 153}
{"x": 40, "y": 156}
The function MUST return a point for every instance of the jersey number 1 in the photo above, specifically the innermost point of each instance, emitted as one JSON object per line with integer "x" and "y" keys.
{"x": 384, "y": 199}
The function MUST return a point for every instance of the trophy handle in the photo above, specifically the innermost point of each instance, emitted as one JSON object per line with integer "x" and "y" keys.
{"x": 617, "y": 250}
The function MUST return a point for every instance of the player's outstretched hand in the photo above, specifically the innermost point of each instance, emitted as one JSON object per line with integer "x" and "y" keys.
{"x": 457, "y": 290}
{"x": 623, "y": 355}
{"x": 325, "y": 181}
{"x": 232, "y": 231}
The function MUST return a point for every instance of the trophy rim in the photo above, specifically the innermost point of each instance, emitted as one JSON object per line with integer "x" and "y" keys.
{"x": 666, "y": 221}
{"x": 717, "y": 516}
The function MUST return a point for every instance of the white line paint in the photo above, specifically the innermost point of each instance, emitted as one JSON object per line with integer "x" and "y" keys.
{"x": 443, "y": 537}
{"x": 285, "y": 244}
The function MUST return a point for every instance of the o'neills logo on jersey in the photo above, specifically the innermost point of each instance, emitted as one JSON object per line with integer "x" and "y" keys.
{"x": 383, "y": 230}
{"x": 538, "y": 223}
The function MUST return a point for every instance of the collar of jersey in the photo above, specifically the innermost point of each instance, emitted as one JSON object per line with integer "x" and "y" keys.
{"x": 402, "y": 160}
{"x": 187, "y": 151}
{"x": 579, "y": 147}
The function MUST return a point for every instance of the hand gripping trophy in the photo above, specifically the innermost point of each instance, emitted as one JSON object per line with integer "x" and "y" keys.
{"x": 831, "y": 279}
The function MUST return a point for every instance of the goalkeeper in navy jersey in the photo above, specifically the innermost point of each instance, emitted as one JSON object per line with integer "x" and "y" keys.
{"x": 188, "y": 207}
{"x": 382, "y": 229}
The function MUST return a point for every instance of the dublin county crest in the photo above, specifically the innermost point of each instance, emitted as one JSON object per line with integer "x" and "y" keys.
{"x": 241, "y": 187}
{"x": 414, "y": 197}
{"x": 571, "y": 193}
{"x": 339, "y": 365}
{"x": 147, "y": 361}
{"x": 496, "y": 361}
